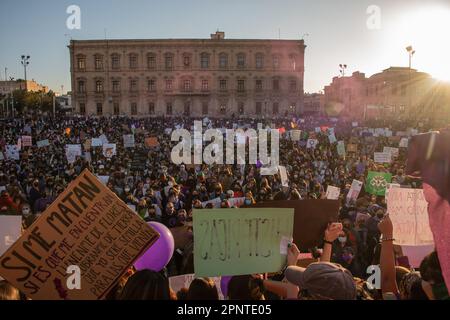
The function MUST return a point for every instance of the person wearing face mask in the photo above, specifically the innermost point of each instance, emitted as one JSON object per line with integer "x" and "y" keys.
{"x": 27, "y": 216}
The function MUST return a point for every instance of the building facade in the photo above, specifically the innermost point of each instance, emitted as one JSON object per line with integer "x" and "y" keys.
{"x": 214, "y": 77}
{"x": 396, "y": 92}
{"x": 7, "y": 87}
{"x": 313, "y": 103}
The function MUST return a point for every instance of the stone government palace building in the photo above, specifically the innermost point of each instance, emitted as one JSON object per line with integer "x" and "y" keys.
{"x": 214, "y": 77}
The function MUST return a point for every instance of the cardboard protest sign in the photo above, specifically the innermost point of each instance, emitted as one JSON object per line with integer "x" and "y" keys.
{"x": 353, "y": 193}
{"x": 236, "y": 202}
{"x": 103, "y": 139}
{"x": 283, "y": 176}
{"x": 312, "y": 143}
{"x": 296, "y": 135}
{"x": 416, "y": 254}
{"x": 241, "y": 241}
{"x": 12, "y": 152}
{"x": 332, "y": 138}
{"x": 43, "y": 143}
{"x": 311, "y": 218}
{"x": 87, "y": 144}
{"x": 393, "y": 151}
{"x": 96, "y": 142}
{"x": 151, "y": 142}
{"x": 408, "y": 211}
{"x": 86, "y": 226}
{"x": 333, "y": 193}
{"x": 128, "y": 141}
{"x": 390, "y": 186}
{"x": 403, "y": 143}
{"x": 215, "y": 202}
{"x": 72, "y": 152}
{"x": 376, "y": 182}
{"x": 109, "y": 150}
{"x": 382, "y": 157}
{"x": 353, "y": 148}
{"x": 341, "y": 149}
{"x": 10, "y": 231}
{"x": 27, "y": 141}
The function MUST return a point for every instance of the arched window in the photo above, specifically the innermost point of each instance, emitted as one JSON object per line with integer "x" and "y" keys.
{"x": 241, "y": 60}
{"x": 259, "y": 61}
{"x": 98, "y": 62}
{"x": 151, "y": 61}
{"x": 223, "y": 60}
{"x": 115, "y": 61}
{"x": 133, "y": 61}
{"x": 204, "y": 60}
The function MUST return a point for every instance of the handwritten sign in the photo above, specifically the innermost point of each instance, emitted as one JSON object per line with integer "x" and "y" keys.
{"x": 236, "y": 202}
{"x": 296, "y": 135}
{"x": 128, "y": 141}
{"x": 43, "y": 143}
{"x": 215, "y": 203}
{"x": 382, "y": 157}
{"x": 333, "y": 193}
{"x": 408, "y": 211}
{"x": 27, "y": 141}
{"x": 12, "y": 152}
{"x": 403, "y": 143}
{"x": 353, "y": 193}
{"x": 393, "y": 151}
{"x": 10, "y": 230}
{"x": 87, "y": 226}
{"x": 240, "y": 241}
{"x": 72, "y": 152}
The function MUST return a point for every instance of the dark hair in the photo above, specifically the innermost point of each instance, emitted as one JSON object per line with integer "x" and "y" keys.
{"x": 182, "y": 294}
{"x": 202, "y": 289}
{"x": 430, "y": 269}
{"x": 245, "y": 287}
{"x": 146, "y": 285}
{"x": 8, "y": 292}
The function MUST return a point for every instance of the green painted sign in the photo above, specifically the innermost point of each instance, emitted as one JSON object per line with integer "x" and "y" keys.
{"x": 241, "y": 241}
{"x": 377, "y": 182}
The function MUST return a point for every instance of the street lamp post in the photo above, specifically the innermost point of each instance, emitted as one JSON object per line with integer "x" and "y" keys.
{"x": 25, "y": 62}
{"x": 342, "y": 68}
{"x": 411, "y": 53}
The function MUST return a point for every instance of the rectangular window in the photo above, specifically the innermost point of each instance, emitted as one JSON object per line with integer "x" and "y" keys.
{"x": 151, "y": 85}
{"x": 241, "y": 86}
{"x": 133, "y": 85}
{"x": 133, "y": 108}
{"x": 241, "y": 60}
{"x": 81, "y": 64}
{"x": 205, "y": 108}
{"x": 187, "y": 85}
{"x": 258, "y": 85}
{"x": 258, "y": 107}
{"x": 133, "y": 62}
{"x": 276, "y": 84}
{"x": 99, "y": 109}
{"x": 223, "y": 61}
{"x": 151, "y": 108}
{"x": 205, "y": 85}
{"x": 259, "y": 62}
{"x": 403, "y": 90}
{"x": 82, "y": 108}
{"x": 169, "y": 62}
{"x": 223, "y": 84}
{"x": 81, "y": 87}
{"x": 98, "y": 63}
{"x": 169, "y": 108}
{"x": 98, "y": 86}
{"x": 276, "y": 62}
{"x": 116, "y": 108}
{"x": 293, "y": 86}
{"x": 169, "y": 84}
{"x": 204, "y": 61}
{"x": 275, "y": 108}
{"x": 116, "y": 86}
{"x": 186, "y": 61}
{"x": 115, "y": 62}
{"x": 151, "y": 62}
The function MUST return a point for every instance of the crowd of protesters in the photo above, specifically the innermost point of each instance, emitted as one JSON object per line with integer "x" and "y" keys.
{"x": 145, "y": 178}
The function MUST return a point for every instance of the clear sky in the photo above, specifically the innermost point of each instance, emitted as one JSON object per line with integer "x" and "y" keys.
{"x": 337, "y": 31}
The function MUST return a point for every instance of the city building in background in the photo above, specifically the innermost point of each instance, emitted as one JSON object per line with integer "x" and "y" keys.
{"x": 313, "y": 103}
{"x": 214, "y": 77}
{"x": 7, "y": 87}
{"x": 397, "y": 92}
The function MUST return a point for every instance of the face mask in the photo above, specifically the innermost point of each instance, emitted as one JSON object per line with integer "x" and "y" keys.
{"x": 248, "y": 201}
{"x": 127, "y": 189}
{"x": 342, "y": 239}
{"x": 26, "y": 211}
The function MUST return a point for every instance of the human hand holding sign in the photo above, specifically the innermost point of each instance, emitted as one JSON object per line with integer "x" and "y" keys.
{"x": 386, "y": 228}
{"x": 332, "y": 232}
{"x": 293, "y": 253}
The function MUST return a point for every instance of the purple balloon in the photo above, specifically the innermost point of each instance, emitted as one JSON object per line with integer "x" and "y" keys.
{"x": 258, "y": 164}
{"x": 224, "y": 281}
{"x": 160, "y": 253}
